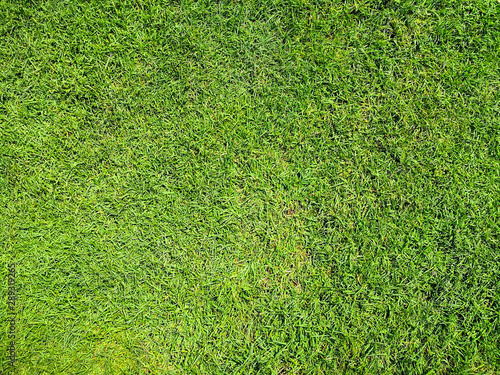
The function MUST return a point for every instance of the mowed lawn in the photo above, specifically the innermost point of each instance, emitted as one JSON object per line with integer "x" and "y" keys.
{"x": 250, "y": 187}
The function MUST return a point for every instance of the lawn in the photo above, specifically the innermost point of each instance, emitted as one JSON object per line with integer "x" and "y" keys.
{"x": 250, "y": 187}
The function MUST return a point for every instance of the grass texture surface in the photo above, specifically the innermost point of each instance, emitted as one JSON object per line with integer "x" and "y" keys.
{"x": 250, "y": 187}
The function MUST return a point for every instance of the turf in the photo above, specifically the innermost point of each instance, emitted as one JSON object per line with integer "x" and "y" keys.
{"x": 251, "y": 187}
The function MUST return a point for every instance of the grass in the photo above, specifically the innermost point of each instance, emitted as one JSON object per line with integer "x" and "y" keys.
{"x": 251, "y": 187}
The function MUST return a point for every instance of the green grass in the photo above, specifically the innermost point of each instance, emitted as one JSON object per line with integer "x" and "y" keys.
{"x": 251, "y": 187}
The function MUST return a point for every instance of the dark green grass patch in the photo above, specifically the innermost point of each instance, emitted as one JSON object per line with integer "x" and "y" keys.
{"x": 268, "y": 187}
